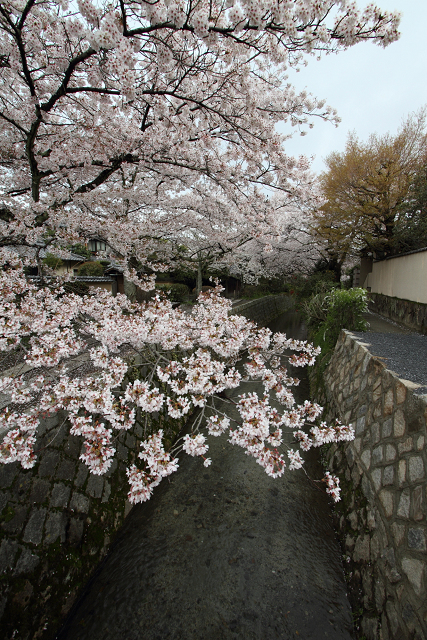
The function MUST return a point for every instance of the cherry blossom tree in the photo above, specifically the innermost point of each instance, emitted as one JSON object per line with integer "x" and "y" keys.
{"x": 113, "y": 116}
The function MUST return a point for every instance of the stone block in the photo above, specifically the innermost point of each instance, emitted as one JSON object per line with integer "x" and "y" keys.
{"x": 417, "y": 504}
{"x": 360, "y": 425}
{"x": 122, "y": 452}
{"x": 400, "y": 391}
{"x": 79, "y": 503}
{"x": 404, "y": 505}
{"x": 352, "y": 518}
{"x": 388, "y": 403}
{"x": 414, "y": 570}
{"x": 349, "y": 543}
{"x": 387, "y": 501}
{"x": 416, "y": 468}
{"x": 130, "y": 441}
{"x": 95, "y": 486}
{"x": 8, "y": 473}
{"x": 72, "y": 447}
{"x": 399, "y": 423}
{"x": 55, "y": 527}
{"x": 388, "y": 475}
{"x": 377, "y": 455}
{"x": 8, "y": 551}
{"x": 82, "y": 474}
{"x": 375, "y": 433}
{"x": 16, "y": 524}
{"x": 398, "y": 531}
{"x": 387, "y": 428}
{"x": 60, "y": 495}
{"x": 420, "y": 443}
{"x": 401, "y": 472}
{"x": 362, "y": 549}
{"x": 376, "y": 478}
{"x": 350, "y": 455}
{"x": 40, "y": 490}
{"x": 66, "y": 470}
{"x": 48, "y": 463}
{"x": 21, "y": 487}
{"x": 366, "y": 458}
{"x": 27, "y": 562}
{"x": 34, "y": 530}
{"x": 390, "y": 453}
{"x": 416, "y": 539}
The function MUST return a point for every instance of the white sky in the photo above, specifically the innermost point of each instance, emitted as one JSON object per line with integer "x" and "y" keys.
{"x": 372, "y": 88}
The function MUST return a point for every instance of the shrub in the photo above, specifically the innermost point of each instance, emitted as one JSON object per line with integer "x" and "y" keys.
{"x": 53, "y": 262}
{"x": 177, "y": 292}
{"x": 94, "y": 268}
{"x": 327, "y": 312}
{"x": 334, "y": 310}
{"x": 309, "y": 285}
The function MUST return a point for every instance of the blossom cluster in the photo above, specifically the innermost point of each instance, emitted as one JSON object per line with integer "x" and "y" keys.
{"x": 189, "y": 362}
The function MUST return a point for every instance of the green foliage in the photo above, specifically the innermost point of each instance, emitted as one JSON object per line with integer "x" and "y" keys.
{"x": 177, "y": 292}
{"x": 80, "y": 250}
{"x": 330, "y": 311}
{"x": 53, "y": 262}
{"x": 305, "y": 286}
{"x": 327, "y": 312}
{"x": 410, "y": 230}
{"x": 94, "y": 268}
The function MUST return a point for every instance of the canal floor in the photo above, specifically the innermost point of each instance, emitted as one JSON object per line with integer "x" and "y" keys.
{"x": 223, "y": 553}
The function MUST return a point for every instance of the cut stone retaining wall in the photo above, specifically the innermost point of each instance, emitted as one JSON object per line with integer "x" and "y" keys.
{"x": 411, "y": 314}
{"x": 57, "y": 521}
{"x": 382, "y": 516}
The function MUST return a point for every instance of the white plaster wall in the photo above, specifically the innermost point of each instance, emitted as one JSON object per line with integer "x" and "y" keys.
{"x": 403, "y": 277}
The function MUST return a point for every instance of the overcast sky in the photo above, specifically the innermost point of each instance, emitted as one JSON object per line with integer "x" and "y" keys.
{"x": 372, "y": 88}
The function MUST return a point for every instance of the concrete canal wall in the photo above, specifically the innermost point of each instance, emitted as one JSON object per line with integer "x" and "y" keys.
{"x": 382, "y": 516}
{"x": 263, "y": 310}
{"x": 57, "y": 521}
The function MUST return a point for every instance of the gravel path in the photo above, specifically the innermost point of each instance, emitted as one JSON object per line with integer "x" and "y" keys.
{"x": 402, "y": 352}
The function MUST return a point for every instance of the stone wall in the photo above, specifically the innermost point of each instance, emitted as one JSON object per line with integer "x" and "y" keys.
{"x": 411, "y": 314}
{"x": 263, "y": 310}
{"x": 382, "y": 516}
{"x": 57, "y": 522}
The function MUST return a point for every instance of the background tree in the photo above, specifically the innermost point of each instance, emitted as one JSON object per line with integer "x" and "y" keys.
{"x": 410, "y": 231}
{"x": 143, "y": 98}
{"x": 366, "y": 190}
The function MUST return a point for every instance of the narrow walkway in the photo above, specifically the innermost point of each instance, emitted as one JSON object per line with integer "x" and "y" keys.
{"x": 402, "y": 351}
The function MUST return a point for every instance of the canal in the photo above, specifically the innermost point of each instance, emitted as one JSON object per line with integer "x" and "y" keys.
{"x": 223, "y": 553}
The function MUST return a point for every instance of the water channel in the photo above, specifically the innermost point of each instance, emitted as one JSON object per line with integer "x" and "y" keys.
{"x": 223, "y": 553}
